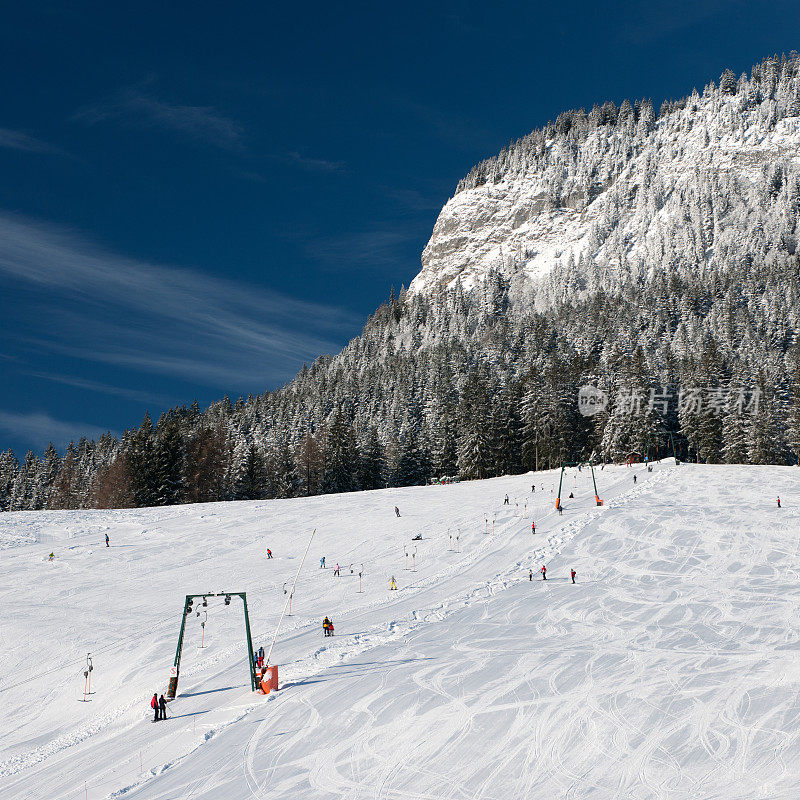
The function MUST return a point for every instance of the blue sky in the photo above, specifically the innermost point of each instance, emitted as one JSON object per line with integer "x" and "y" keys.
{"x": 198, "y": 197}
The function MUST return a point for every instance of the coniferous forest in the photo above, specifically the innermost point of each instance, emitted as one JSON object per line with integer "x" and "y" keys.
{"x": 693, "y": 336}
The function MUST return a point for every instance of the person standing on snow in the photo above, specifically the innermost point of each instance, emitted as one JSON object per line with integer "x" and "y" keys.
{"x": 533, "y": 527}
{"x": 573, "y": 574}
{"x": 779, "y": 501}
{"x": 108, "y": 545}
{"x": 392, "y": 584}
{"x": 269, "y": 553}
{"x": 154, "y": 706}
{"x": 533, "y": 488}
{"x": 325, "y": 625}
{"x": 322, "y": 563}
{"x": 336, "y": 570}
{"x": 162, "y": 707}
{"x": 634, "y": 479}
{"x": 397, "y": 511}
{"x": 530, "y": 574}
{"x": 505, "y": 502}
{"x": 543, "y": 570}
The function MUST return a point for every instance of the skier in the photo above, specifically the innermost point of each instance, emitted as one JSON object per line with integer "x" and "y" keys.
{"x": 533, "y": 527}
{"x": 533, "y": 488}
{"x": 261, "y": 656}
{"x": 543, "y": 570}
{"x": 51, "y": 557}
{"x": 779, "y": 502}
{"x": 393, "y": 584}
{"x": 322, "y": 563}
{"x": 154, "y": 706}
{"x": 269, "y": 553}
{"x": 336, "y": 570}
{"x": 634, "y": 479}
{"x": 571, "y": 496}
{"x": 530, "y": 574}
{"x": 330, "y": 627}
{"x": 397, "y": 511}
{"x": 572, "y": 574}
{"x": 162, "y": 707}
{"x": 505, "y": 502}
{"x": 560, "y": 510}
{"x": 107, "y": 535}
{"x": 326, "y": 623}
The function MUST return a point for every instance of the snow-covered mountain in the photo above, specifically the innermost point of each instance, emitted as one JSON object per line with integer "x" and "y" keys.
{"x": 605, "y": 195}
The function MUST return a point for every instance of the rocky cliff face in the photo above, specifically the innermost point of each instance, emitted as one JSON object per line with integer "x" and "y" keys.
{"x": 597, "y": 199}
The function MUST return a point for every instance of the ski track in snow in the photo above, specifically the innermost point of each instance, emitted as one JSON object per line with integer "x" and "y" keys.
{"x": 669, "y": 671}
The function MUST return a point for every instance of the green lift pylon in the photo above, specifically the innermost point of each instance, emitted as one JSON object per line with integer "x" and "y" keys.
{"x": 187, "y": 609}
{"x": 561, "y": 480}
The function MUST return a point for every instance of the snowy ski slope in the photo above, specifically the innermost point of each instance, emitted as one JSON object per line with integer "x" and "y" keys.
{"x": 670, "y": 670}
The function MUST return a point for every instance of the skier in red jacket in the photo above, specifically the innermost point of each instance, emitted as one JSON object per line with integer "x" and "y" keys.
{"x": 533, "y": 527}
{"x": 154, "y": 706}
{"x": 543, "y": 570}
{"x": 572, "y": 574}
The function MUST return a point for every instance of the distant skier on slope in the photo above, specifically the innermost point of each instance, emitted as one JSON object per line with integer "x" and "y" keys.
{"x": 505, "y": 502}
{"x": 393, "y": 584}
{"x": 533, "y": 527}
{"x": 108, "y": 544}
{"x": 154, "y": 706}
{"x": 322, "y": 563}
{"x": 530, "y": 574}
{"x": 779, "y": 501}
{"x": 397, "y": 511}
{"x": 326, "y": 624}
{"x": 634, "y": 479}
{"x": 543, "y": 570}
{"x": 533, "y": 488}
{"x": 336, "y": 570}
{"x": 269, "y": 553}
{"x": 572, "y": 574}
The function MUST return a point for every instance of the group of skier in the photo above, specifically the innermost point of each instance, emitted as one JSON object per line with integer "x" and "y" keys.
{"x": 159, "y": 705}
{"x": 543, "y": 570}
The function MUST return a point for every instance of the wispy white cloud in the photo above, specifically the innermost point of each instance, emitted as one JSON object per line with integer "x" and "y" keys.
{"x": 38, "y": 427}
{"x": 135, "y": 107}
{"x": 378, "y": 247}
{"x": 136, "y": 395}
{"x": 107, "y": 308}
{"x": 296, "y": 159}
{"x": 17, "y": 140}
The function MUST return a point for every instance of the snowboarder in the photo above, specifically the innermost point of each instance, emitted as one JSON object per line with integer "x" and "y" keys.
{"x": 322, "y": 563}
{"x": 397, "y": 511}
{"x": 392, "y": 584}
{"x": 154, "y": 706}
{"x": 571, "y": 496}
{"x": 108, "y": 545}
{"x": 269, "y": 553}
{"x": 505, "y": 502}
{"x": 336, "y": 570}
{"x": 779, "y": 502}
{"x": 162, "y": 707}
{"x": 543, "y": 570}
{"x": 326, "y": 623}
{"x": 572, "y": 574}
{"x": 533, "y": 527}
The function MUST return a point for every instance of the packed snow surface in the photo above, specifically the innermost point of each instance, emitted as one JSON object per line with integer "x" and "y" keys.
{"x": 669, "y": 670}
